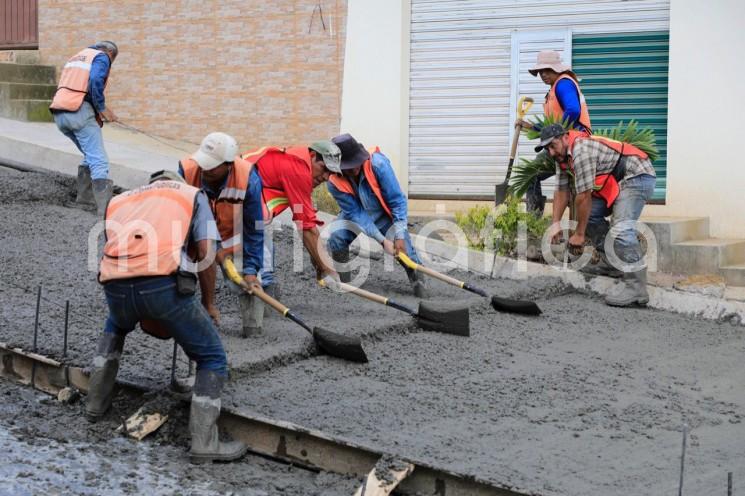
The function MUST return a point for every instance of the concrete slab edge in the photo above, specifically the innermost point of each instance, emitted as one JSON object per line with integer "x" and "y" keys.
{"x": 38, "y": 156}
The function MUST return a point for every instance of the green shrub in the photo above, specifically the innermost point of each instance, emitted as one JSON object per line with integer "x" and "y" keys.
{"x": 487, "y": 227}
{"x": 474, "y": 225}
{"x": 323, "y": 200}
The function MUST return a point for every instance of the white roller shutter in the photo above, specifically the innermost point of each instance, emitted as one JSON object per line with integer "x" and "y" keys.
{"x": 462, "y": 95}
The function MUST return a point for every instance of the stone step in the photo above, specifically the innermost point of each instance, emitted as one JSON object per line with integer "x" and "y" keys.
{"x": 24, "y": 91}
{"x": 706, "y": 256}
{"x": 27, "y": 110}
{"x": 734, "y": 275}
{"x": 27, "y": 73}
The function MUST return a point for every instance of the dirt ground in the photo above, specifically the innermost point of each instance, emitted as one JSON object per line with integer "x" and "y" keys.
{"x": 584, "y": 400}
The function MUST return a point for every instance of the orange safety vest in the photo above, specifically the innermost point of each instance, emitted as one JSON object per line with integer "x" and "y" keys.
{"x": 606, "y": 185}
{"x": 146, "y": 229}
{"x": 228, "y": 206}
{"x": 342, "y": 183}
{"x": 275, "y": 200}
{"x": 73, "y": 82}
{"x": 552, "y": 107}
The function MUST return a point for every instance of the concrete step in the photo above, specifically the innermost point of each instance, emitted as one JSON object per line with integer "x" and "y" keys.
{"x": 24, "y": 91}
{"x": 734, "y": 275}
{"x": 27, "y": 73}
{"x": 671, "y": 230}
{"x": 27, "y": 110}
{"x": 20, "y": 56}
{"x": 706, "y": 256}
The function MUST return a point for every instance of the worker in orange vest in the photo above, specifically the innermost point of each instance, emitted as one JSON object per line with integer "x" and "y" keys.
{"x": 607, "y": 177}
{"x": 243, "y": 202}
{"x": 369, "y": 196}
{"x": 564, "y": 102}
{"x": 79, "y": 108}
{"x": 149, "y": 278}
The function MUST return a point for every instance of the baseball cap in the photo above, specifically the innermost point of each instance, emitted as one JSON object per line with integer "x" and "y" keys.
{"x": 548, "y": 134}
{"x": 330, "y": 153}
{"x": 215, "y": 149}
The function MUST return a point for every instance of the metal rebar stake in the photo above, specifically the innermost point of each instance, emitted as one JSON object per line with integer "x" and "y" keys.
{"x": 36, "y": 336}
{"x": 67, "y": 320}
{"x": 173, "y": 362}
{"x": 683, "y": 459}
{"x": 729, "y": 483}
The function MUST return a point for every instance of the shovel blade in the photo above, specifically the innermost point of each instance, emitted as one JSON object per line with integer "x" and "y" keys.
{"x": 444, "y": 317}
{"x": 500, "y": 193}
{"x": 339, "y": 345}
{"x": 515, "y": 306}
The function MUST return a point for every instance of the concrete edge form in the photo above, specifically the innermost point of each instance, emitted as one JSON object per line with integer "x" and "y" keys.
{"x": 285, "y": 441}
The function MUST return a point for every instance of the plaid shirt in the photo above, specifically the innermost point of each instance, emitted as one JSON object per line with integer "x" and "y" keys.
{"x": 591, "y": 158}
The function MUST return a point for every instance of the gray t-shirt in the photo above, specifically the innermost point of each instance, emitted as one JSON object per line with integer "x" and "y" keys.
{"x": 203, "y": 226}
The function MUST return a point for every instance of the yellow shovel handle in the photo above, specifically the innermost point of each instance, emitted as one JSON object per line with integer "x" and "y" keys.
{"x": 523, "y": 105}
{"x": 231, "y": 271}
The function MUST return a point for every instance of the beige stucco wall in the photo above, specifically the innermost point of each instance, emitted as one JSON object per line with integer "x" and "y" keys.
{"x": 375, "y": 91}
{"x": 705, "y": 131}
{"x": 258, "y": 70}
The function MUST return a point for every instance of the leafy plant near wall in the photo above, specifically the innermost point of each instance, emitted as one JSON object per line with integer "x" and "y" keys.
{"x": 323, "y": 200}
{"x": 487, "y": 227}
{"x": 524, "y": 173}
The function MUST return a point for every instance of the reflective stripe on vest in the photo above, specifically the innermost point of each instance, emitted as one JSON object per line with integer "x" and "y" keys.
{"x": 228, "y": 206}
{"x": 276, "y": 201}
{"x": 606, "y": 185}
{"x": 73, "y": 81}
{"x": 146, "y": 229}
{"x": 552, "y": 107}
{"x": 342, "y": 183}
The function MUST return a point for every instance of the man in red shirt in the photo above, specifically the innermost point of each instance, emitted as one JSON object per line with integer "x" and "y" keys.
{"x": 288, "y": 177}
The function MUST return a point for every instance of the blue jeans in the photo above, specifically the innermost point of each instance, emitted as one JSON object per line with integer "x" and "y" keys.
{"x": 131, "y": 300}
{"x": 626, "y": 210}
{"x": 340, "y": 239}
{"x": 81, "y": 127}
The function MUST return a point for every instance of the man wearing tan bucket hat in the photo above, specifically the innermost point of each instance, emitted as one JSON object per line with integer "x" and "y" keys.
{"x": 564, "y": 102}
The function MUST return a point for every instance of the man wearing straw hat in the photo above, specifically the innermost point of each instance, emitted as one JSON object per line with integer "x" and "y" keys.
{"x": 564, "y": 102}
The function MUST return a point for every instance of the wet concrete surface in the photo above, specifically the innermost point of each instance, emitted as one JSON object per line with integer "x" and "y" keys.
{"x": 49, "y": 448}
{"x": 582, "y": 400}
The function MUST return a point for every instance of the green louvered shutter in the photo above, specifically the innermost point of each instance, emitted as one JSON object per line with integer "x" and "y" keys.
{"x": 624, "y": 77}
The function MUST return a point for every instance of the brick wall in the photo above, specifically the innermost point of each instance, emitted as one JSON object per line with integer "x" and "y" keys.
{"x": 250, "y": 68}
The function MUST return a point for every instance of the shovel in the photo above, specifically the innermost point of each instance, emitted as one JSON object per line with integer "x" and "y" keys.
{"x": 331, "y": 343}
{"x": 500, "y": 191}
{"x": 431, "y": 316}
{"x": 499, "y": 304}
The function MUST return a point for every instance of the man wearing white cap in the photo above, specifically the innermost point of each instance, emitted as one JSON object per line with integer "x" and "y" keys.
{"x": 564, "y": 102}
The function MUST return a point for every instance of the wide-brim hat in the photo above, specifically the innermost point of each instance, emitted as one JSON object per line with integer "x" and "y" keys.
{"x": 353, "y": 154}
{"x": 549, "y": 59}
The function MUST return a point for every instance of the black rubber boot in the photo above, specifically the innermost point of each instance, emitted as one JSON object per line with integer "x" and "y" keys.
{"x": 341, "y": 259}
{"x": 84, "y": 194}
{"x": 102, "y": 191}
{"x": 103, "y": 378}
{"x": 205, "y": 410}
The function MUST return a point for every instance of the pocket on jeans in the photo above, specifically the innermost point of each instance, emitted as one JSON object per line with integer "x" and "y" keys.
{"x": 116, "y": 301}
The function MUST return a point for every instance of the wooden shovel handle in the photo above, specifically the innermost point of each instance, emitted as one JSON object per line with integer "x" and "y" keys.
{"x": 233, "y": 275}
{"x": 360, "y": 292}
{"x": 426, "y": 270}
